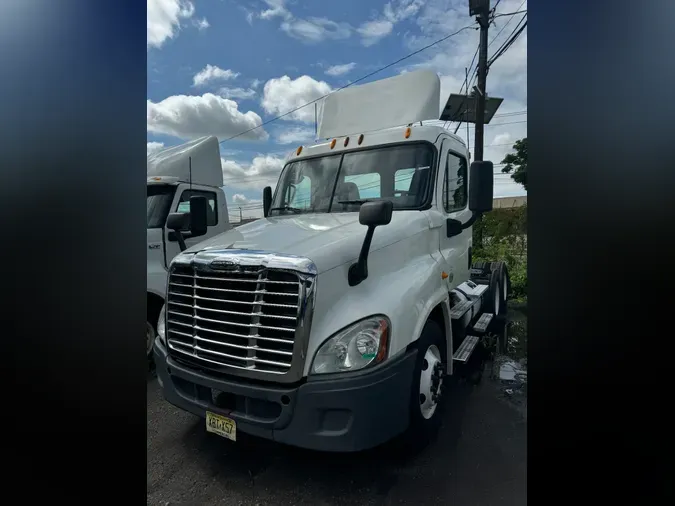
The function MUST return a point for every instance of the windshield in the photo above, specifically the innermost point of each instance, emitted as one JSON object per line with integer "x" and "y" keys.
{"x": 340, "y": 183}
{"x": 159, "y": 204}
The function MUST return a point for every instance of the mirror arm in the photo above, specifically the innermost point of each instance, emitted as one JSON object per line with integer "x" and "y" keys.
{"x": 181, "y": 240}
{"x": 359, "y": 271}
{"x": 474, "y": 216}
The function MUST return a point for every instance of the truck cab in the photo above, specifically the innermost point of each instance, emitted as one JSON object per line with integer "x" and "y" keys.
{"x": 335, "y": 322}
{"x": 174, "y": 176}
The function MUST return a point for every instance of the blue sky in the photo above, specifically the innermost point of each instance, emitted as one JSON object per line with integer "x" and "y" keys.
{"x": 222, "y": 66}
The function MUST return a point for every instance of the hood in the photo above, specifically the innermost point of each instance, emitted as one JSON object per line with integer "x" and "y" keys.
{"x": 328, "y": 239}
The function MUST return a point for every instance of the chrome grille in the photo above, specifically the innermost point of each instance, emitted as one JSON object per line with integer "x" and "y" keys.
{"x": 244, "y": 318}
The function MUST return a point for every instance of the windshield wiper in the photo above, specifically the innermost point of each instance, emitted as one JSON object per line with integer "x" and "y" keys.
{"x": 287, "y": 208}
{"x": 357, "y": 201}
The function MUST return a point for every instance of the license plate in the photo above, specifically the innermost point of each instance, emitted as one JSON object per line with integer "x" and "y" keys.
{"x": 221, "y": 425}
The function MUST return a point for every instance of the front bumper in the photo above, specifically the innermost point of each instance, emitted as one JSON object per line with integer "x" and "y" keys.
{"x": 341, "y": 414}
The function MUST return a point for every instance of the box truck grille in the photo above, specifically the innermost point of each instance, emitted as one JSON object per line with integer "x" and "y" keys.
{"x": 233, "y": 320}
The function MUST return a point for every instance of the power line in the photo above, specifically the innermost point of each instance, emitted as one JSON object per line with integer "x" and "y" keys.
{"x": 509, "y": 14}
{"x": 475, "y": 74}
{"x": 351, "y": 83}
{"x": 505, "y": 25}
{"x": 508, "y": 43}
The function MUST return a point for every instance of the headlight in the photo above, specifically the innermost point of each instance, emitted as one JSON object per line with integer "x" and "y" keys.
{"x": 360, "y": 345}
{"x": 161, "y": 325}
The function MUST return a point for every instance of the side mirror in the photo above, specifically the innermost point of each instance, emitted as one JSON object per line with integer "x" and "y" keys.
{"x": 267, "y": 200}
{"x": 178, "y": 221}
{"x": 376, "y": 213}
{"x": 481, "y": 182}
{"x": 372, "y": 214}
{"x": 198, "y": 216}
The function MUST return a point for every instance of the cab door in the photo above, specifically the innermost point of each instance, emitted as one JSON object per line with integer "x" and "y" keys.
{"x": 181, "y": 204}
{"x": 453, "y": 204}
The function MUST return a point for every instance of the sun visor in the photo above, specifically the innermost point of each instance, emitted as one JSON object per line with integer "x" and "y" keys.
{"x": 406, "y": 98}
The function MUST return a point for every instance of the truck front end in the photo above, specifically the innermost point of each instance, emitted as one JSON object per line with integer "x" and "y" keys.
{"x": 234, "y": 351}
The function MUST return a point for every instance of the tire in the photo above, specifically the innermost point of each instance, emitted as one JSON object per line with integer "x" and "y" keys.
{"x": 502, "y": 271}
{"x": 425, "y": 408}
{"x": 494, "y": 303}
{"x": 150, "y": 335}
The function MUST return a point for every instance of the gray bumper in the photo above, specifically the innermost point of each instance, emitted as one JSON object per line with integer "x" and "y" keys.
{"x": 340, "y": 414}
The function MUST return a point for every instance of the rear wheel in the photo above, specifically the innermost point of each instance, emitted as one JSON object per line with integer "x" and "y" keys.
{"x": 427, "y": 386}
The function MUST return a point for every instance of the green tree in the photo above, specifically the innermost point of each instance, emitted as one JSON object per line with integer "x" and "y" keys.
{"x": 517, "y": 162}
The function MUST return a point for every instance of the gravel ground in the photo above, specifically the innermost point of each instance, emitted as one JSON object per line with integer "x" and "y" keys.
{"x": 479, "y": 459}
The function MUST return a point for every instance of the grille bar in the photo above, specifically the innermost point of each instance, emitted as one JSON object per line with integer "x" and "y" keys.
{"x": 230, "y": 320}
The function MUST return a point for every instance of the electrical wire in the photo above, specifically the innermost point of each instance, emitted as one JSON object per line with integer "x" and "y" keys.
{"x": 508, "y": 43}
{"x": 505, "y": 25}
{"x": 509, "y": 14}
{"x": 409, "y": 55}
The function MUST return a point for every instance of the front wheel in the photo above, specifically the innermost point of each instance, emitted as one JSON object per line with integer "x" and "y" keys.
{"x": 427, "y": 385}
{"x": 150, "y": 335}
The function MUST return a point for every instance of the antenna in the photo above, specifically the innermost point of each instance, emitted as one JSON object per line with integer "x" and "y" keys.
{"x": 316, "y": 123}
{"x": 190, "y": 167}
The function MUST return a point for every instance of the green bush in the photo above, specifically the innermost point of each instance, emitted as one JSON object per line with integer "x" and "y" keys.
{"x": 501, "y": 235}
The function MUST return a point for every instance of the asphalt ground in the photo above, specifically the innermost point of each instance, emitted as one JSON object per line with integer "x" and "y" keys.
{"x": 479, "y": 458}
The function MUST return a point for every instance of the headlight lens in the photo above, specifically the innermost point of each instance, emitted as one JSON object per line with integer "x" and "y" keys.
{"x": 161, "y": 325}
{"x": 360, "y": 345}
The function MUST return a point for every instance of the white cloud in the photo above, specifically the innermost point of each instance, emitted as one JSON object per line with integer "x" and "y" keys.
{"x": 394, "y": 12}
{"x": 338, "y": 70}
{"x": 202, "y": 24}
{"x": 309, "y": 30}
{"x": 213, "y": 73}
{"x": 314, "y": 30}
{"x": 502, "y": 138}
{"x": 263, "y": 171}
{"x": 283, "y": 94}
{"x": 153, "y": 147}
{"x": 164, "y": 19}
{"x": 295, "y": 135}
{"x": 255, "y": 83}
{"x": 189, "y": 117}
{"x": 239, "y": 93}
{"x": 373, "y": 31}
{"x": 277, "y": 8}
{"x": 243, "y": 200}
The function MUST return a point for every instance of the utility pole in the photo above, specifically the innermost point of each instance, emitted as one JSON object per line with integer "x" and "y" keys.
{"x": 483, "y": 17}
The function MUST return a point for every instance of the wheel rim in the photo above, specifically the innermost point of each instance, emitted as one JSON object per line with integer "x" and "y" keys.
{"x": 431, "y": 381}
{"x": 149, "y": 337}
{"x": 505, "y": 288}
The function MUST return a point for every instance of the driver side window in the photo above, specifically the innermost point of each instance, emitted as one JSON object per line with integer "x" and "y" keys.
{"x": 454, "y": 183}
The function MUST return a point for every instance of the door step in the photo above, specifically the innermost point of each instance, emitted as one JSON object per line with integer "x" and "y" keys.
{"x": 482, "y": 324}
{"x": 465, "y": 349}
{"x": 460, "y": 309}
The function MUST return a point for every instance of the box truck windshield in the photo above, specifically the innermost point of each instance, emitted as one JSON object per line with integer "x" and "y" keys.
{"x": 159, "y": 204}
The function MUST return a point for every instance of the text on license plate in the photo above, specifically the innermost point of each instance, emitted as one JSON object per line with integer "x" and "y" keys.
{"x": 221, "y": 425}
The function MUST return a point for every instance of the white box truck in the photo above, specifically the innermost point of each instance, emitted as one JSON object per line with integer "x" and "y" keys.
{"x": 174, "y": 176}
{"x": 334, "y": 322}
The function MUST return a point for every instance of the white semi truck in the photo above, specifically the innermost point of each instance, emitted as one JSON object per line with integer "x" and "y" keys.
{"x": 334, "y": 322}
{"x": 174, "y": 176}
